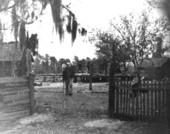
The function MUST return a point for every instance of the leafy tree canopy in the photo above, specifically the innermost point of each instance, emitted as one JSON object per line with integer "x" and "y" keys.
{"x": 137, "y": 36}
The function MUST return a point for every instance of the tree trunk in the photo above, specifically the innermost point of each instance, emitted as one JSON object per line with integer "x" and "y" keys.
{"x": 90, "y": 77}
{"x": 112, "y": 71}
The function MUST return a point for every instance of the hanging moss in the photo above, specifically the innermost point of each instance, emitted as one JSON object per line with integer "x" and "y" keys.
{"x": 69, "y": 23}
{"x": 33, "y": 43}
{"x": 15, "y": 23}
{"x": 83, "y": 32}
{"x": 61, "y": 33}
{"x": 22, "y": 36}
{"x": 74, "y": 30}
{"x": 56, "y": 14}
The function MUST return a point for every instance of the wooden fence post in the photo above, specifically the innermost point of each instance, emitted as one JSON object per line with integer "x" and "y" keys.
{"x": 168, "y": 105}
{"x": 32, "y": 100}
{"x": 112, "y": 87}
{"x": 90, "y": 77}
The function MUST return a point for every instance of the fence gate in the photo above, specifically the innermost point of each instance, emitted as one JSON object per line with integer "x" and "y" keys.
{"x": 145, "y": 103}
{"x": 16, "y": 98}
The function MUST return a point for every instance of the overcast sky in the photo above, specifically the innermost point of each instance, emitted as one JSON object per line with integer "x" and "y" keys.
{"x": 90, "y": 14}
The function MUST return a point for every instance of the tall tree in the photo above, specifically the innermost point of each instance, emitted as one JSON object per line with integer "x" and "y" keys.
{"x": 53, "y": 63}
{"x": 138, "y": 34}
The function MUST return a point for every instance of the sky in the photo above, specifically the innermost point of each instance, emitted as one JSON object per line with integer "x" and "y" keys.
{"x": 90, "y": 14}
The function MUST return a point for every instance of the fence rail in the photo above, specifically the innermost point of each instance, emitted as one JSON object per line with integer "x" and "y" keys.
{"x": 16, "y": 97}
{"x": 148, "y": 102}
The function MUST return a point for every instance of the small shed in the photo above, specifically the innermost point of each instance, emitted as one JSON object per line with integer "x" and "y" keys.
{"x": 16, "y": 90}
{"x": 155, "y": 68}
{"x": 8, "y": 54}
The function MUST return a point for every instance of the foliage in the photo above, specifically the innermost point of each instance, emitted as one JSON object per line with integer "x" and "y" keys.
{"x": 138, "y": 34}
{"x": 104, "y": 42}
{"x": 24, "y": 12}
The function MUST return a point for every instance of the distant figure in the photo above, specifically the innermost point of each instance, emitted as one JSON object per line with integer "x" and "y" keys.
{"x": 68, "y": 77}
{"x": 138, "y": 87}
{"x": 134, "y": 84}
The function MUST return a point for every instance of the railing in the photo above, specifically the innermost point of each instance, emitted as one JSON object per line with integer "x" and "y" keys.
{"x": 16, "y": 97}
{"x": 147, "y": 102}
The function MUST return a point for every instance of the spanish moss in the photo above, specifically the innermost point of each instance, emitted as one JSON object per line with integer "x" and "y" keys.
{"x": 22, "y": 36}
{"x": 74, "y": 30}
{"x": 56, "y": 14}
{"x": 69, "y": 23}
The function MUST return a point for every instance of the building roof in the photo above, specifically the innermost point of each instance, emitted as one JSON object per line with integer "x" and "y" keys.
{"x": 153, "y": 62}
{"x": 8, "y": 52}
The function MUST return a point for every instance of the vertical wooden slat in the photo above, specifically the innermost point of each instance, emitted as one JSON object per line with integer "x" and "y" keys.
{"x": 165, "y": 102}
{"x": 152, "y": 99}
{"x": 32, "y": 101}
{"x": 133, "y": 106}
{"x": 144, "y": 102}
{"x": 117, "y": 106}
{"x": 159, "y": 100}
{"x": 144, "y": 106}
{"x": 124, "y": 101}
{"x": 137, "y": 108}
{"x": 156, "y": 101}
{"x": 128, "y": 98}
{"x": 126, "y": 105}
{"x": 148, "y": 100}
{"x": 119, "y": 96}
{"x": 168, "y": 104}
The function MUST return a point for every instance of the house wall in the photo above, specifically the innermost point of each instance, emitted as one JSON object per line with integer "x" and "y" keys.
{"x": 16, "y": 98}
{"x": 6, "y": 68}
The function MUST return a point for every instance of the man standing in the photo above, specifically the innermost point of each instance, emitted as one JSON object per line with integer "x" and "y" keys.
{"x": 68, "y": 77}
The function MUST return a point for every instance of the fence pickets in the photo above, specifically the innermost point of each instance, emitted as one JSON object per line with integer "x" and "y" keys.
{"x": 150, "y": 103}
{"x": 16, "y": 99}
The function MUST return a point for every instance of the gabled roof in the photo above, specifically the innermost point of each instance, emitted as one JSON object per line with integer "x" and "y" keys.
{"x": 8, "y": 52}
{"x": 153, "y": 62}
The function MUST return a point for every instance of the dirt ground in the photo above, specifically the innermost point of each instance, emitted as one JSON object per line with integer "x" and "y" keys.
{"x": 83, "y": 113}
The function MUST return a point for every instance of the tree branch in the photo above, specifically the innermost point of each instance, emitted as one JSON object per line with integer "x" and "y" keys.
{"x": 6, "y": 8}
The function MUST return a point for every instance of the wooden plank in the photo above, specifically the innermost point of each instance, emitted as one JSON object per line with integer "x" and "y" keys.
{"x": 138, "y": 106}
{"x": 1, "y": 97}
{"x": 15, "y": 91}
{"x": 124, "y": 101}
{"x": 164, "y": 102}
{"x": 13, "y": 79}
{"x": 15, "y": 108}
{"x": 117, "y": 104}
{"x": 120, "y": 100}
{"x": 144, "y": 106}
{"x": 156, "y": 104}
{"x": 148, "y": 104}
{"x": 31, "y": 95}
{"x": 159, "y": 101}
{"x": 15, "y": 97}
{"x": 17, "y": 102}
{"x": 126, "y": 97}
{"x": 14, "y": 115}
{"x": 4, "y": 86}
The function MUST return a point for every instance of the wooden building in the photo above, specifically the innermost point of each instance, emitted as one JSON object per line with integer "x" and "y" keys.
{"x": 16, "y": 91}
{"x": 10, "y": 60}
{"x": 155, "y": 68}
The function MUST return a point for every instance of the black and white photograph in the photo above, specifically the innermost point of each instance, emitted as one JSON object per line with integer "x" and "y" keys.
{"x": 84, "y": 66}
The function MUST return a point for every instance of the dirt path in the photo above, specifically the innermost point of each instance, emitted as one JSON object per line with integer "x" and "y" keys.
{"x": 83, "y": 113}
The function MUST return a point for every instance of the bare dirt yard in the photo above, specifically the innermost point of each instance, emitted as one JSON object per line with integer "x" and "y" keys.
{"x": 85, "y": 112}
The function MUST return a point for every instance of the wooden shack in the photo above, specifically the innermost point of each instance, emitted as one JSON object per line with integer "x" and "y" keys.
{"x": 16, "y": 90}
{"x": 10, "y": 60}
{"x": 155, "y": 68}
